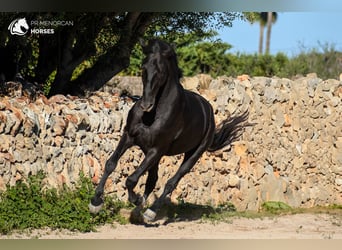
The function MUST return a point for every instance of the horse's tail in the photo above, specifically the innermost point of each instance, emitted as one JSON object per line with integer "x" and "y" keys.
{"x": 228, "y": 131}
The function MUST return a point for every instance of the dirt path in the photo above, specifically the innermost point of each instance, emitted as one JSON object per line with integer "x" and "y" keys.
{"x": 298, "y": 226}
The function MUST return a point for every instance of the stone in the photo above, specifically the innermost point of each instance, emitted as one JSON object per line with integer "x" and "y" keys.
{"x": 191, "y": 83}
{"x": 338, "y": 181}
{"x": 338, "y": 91}
{"x": 270, "y": 95}
{"x": 279, "y": 117}
{"x": 58, "y": 99}
{"x": 132, "y": 85}
{"x": 12, "y": 124}
{"x": 59, "y": 125}
{"x": 240, "y": 148}
{"x": 233, "y": 180}
{"x": 290, "y": 151}
{"x": 204, "y": 81}
{"x": 6, "y": 143}
{"x": 336, "y": 156}
{"x": 258, "y": 171}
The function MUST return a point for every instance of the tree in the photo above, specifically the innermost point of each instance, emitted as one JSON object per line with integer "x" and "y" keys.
{"x": 265, "y": 19}
{"x": 262, "y": 18}
{"x": 204, "y": 57}
{"x": 271, "y": 18}
{"x": 82, "y": 57}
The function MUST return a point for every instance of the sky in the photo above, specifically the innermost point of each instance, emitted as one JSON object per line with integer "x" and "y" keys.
{"x": 292, "y": 32}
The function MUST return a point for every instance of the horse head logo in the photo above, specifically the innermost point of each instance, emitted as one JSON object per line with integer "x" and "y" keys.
{"x": 18, "y": 27}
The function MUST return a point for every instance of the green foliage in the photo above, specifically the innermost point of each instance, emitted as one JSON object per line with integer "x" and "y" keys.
{"x": 171, "y": 26}
{"x": 134, "y": 68}
{"x": 204, "y": 57}
{"x": 275, "y": 207}
{"x": 97, "y": 45}
{"x": 327, "y": 64}
{"x": 325, "y": 60}
{"x": 49, "y": 81}
{"x": 336, "y": 206}
{"x": 27, "y": 206}
{"x": 257, "y": 65}
{"x": 212, "y": 57}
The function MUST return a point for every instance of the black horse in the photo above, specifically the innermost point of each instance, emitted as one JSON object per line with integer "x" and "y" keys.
{"x": 167, "y": 120}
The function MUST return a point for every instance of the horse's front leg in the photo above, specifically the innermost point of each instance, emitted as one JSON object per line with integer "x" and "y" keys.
{"x": 97, "y": 202}
{"x": 150, "y": 162}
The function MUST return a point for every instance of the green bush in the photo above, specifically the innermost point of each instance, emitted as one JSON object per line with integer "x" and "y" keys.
{"x": 27, "y": 206}
{"x": 275, "y": 207}
{"x": 214, "y": 58}
{"x": 257, "y": 65}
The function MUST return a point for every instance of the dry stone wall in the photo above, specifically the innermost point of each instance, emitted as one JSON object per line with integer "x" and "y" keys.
{"x": 292, "y": 153}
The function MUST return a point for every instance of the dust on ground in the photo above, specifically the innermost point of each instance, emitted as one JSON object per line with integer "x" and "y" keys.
{"x": 295, "y": 226}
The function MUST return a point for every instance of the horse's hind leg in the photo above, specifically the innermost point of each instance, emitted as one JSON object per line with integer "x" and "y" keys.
{"x": 150, "y": 185}
{"x": 97, "y": 202}
{"x": 150, "y": 162}
{"x": 151, "y": 181}
{"x": 190, "y": 158}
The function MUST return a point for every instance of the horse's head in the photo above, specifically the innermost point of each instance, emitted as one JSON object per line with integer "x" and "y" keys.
{"x": 156, "y": 68}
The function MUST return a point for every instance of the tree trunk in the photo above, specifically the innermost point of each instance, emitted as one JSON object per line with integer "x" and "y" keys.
{"x": 68, "y": 59}
{"x": 47, "y": 59}
{"x": 116, "y": 58}
{"x": 108, "y": 65}
{"x": 261, "y": 38}
{"x": 269, "y": 29}
{"x": 70, "y": 55}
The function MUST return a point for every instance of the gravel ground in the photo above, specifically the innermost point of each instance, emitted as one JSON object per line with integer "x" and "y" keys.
{"x": 297, "y": 226}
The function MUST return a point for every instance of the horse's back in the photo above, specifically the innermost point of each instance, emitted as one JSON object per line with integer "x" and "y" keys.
{"x": 198, "y": 107}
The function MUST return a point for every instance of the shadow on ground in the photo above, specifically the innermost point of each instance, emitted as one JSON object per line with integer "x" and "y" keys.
{"x": 181, "y": 211}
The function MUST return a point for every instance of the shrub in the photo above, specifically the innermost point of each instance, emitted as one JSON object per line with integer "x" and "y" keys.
{"x": 213, "y": 58}
{"x": 275, "y": 207}
{"x": 27, "y": 206}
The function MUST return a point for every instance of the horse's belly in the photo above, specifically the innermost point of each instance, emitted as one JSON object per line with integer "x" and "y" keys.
{"x": 185, "y": 142}
{"x": 179, "y": 145}
{"x": 194, "y": 133}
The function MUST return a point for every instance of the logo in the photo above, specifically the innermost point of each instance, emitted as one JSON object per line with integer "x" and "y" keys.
{"x": 18, "y": 27}
{"x": 21, "y": 27}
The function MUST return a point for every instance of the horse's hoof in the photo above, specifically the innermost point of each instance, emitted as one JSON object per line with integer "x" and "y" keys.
{"x": 95, "y": 209}
{"x": 149, "y": 215}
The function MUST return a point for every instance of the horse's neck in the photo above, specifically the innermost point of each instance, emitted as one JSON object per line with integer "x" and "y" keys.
{"x": 172, "y": 94}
